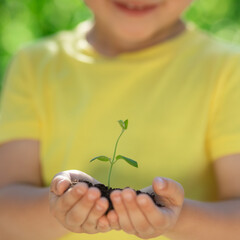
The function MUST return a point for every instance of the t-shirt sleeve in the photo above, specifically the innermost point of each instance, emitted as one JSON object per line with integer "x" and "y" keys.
{"x": 224, "y": 129}
{"x": 18, "y": 112}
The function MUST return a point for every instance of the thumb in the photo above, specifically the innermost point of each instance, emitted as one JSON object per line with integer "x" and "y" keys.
{"x": 60, "y": 183}
{"x": 168, "y": 191}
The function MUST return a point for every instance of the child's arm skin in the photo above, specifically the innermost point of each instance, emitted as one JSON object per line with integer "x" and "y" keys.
{"x": 24, "y": 203}
{"x": 197, "y": 220}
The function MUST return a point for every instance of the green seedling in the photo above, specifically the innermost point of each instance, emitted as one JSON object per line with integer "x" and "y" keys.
{"x": 124, "y": 126}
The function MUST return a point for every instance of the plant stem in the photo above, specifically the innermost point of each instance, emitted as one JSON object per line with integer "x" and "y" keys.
{"x": 112, "y": 162}
{"x": 109, "y": 175}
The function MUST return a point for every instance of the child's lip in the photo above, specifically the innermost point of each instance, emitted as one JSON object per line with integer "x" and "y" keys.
{"x": 135, "y": 7}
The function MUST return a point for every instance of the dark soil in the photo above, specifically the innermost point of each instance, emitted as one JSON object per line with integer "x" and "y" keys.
{"x": 105, "y": 192}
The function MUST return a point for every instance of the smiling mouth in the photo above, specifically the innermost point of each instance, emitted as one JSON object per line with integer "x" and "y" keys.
{"x": 135, "y": 8}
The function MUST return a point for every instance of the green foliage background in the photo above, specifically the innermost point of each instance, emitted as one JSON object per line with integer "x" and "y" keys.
{"x": 23, "y": 21}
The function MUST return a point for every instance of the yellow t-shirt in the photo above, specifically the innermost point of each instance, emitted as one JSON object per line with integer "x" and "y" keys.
{"x": 181, "y": 98}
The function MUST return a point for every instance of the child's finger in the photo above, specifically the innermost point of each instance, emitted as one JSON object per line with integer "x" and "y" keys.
{"x": 113, "y": 220}
{"x": 103, "y": 224}
{"x": 170, "y": 191}
{"x": 70, "y": 197}
{"x": 80, "y": 211}
{"x": 121, "y": 211}
{"x": 138, "y": 219}
{"x": 60, "y": 205}
{"x": 154, "y": 215}
{"x": 60, "y": 184}
{"x": 97, "y": 211}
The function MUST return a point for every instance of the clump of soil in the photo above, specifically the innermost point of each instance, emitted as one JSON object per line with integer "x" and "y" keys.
{"x": 105, "y": 192}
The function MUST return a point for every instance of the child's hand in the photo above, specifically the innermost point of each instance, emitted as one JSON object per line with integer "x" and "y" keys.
{"x": 79, "y": 209}
{"x": 138, "y": 215}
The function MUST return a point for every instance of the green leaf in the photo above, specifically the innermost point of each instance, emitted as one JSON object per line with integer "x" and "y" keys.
{"x": 101, "y": 158}
{"x": 128, "y": 160}
{"x": 126, "y": 124}
{"x": 121, "y": 124}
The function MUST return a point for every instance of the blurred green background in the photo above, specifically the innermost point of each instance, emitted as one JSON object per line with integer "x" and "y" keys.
{"x": 23, "y": 21}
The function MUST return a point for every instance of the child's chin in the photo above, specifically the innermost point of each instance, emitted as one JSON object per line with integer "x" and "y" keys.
{"x": 134, "y": 34}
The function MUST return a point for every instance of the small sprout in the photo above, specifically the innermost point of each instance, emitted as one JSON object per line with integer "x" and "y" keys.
{"x": 124, "y": 126}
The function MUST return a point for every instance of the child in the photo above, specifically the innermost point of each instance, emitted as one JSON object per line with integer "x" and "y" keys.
{"x": 62, "y": 98}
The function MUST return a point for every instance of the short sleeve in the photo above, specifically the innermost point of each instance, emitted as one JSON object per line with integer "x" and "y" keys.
{"x": 224, "y": 129}
{"x": 18, "y": 112}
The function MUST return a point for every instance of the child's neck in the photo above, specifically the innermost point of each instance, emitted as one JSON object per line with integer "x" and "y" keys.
{"x": 109, "y": 45}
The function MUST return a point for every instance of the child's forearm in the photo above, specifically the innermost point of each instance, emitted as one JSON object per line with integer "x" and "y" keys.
{"x": 24, "y": 214}
{"x": 208, "y": 221}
